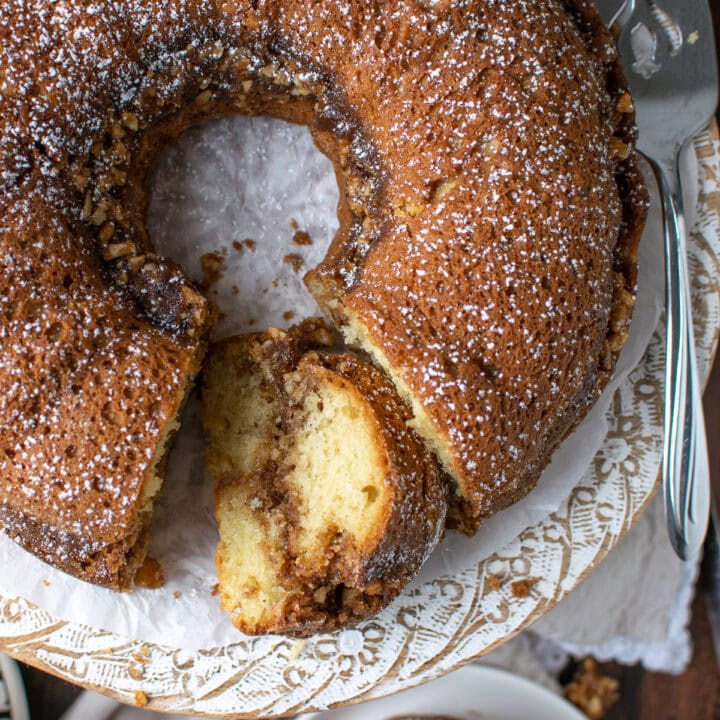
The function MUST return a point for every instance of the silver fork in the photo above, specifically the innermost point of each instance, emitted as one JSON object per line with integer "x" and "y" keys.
{"x": 669, "y": 55}
{"x": 621, "y": 19}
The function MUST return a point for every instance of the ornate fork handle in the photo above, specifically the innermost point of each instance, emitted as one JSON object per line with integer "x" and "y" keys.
{"x": 622, "y": 17}
{"x": 684, "y": 488}
{"x": 685, "y": 474}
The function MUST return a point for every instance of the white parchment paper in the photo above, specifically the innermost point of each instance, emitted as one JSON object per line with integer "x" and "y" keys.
{"x": 256, "y": 179}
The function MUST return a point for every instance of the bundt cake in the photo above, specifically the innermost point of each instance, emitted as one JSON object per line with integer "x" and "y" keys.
{"x": 490, "y": 212}
{"x": 327, "y": 503}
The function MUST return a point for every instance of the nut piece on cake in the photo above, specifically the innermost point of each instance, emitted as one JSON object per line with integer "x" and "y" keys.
{"x": 327, "y": 503}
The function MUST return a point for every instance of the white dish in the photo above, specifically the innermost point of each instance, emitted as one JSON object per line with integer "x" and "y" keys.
{"x": 13, "y": 700}
{"x": 475, "y": 692}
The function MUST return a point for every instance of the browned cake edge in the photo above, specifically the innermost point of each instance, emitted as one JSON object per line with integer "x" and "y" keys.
{"x": 418, "y": 514}
{"x": 115, "y": 565}
{"x": 463, "y": 514}
{"x": 635, "y": 202}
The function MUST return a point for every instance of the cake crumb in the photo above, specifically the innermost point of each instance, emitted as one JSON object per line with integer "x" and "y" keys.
{"x": 591, "y": 691}
{"x": 521, "y": 588}
{"x": 137, "y": 672}
{"x": 302, "y": 238}
{"x": 237, "y": 245}
{"x": 294, "y": 260}
{"x": 141, "y": 699}
{"x": 294, "y": 224}
{"x": 46, "y": 583}
{"x": 215, "y": 590}
{"x": 150, "y": 575}
{"x": 251, "y": 321}
{"x": 288, "y": 315}
{"x": 249, "y": 244}
{"x": 177, "y": 594}
{"x": 235, "y": 289}
{"x": 296, "y": 650}
{"x": 212, "y": 265}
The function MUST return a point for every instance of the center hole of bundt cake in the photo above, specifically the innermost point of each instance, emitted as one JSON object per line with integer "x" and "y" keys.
{"x": 246, "y": 205}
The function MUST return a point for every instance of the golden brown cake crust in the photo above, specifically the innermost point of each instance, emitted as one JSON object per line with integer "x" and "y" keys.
{"x": 490, "y": 214}
{"x": 87, "y": 389}
{"x": 500, "y": 289}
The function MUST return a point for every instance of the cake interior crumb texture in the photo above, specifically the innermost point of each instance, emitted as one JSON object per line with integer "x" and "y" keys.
{"x": 306, "y": 492}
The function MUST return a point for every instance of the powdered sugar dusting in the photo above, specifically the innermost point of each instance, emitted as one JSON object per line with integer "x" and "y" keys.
{"x": 51, "y": 55}
{"x": 478, "y": 144}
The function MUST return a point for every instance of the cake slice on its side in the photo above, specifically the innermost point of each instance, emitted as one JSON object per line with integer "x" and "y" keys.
{"x": 327, "y": 503}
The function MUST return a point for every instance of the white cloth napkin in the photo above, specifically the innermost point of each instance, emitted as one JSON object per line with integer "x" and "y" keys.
{"x": 634, "y": 608}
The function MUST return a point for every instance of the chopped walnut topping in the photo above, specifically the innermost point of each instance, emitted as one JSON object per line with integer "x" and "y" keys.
{"x": 118, "y": 250}
{"x": 106, "y": 232}
{"x": 117, "y": 132}
{"x": 130, "y": 121}
{"x": 81, "y": 178}
{"x": 204, "y": 97}
{"x": 87, "y": 208}
{"x": 118, "y": 177}
{"x": 625, "y": 104}
{"x": 619, "y": 150}
{"x": 98, "y": 217}
{"x": 136, "y": 262}
{"x": 591, "y": 691}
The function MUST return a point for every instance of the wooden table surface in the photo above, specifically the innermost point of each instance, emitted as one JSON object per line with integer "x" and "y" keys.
{"x": 695, "y": 695}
